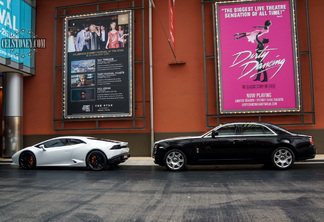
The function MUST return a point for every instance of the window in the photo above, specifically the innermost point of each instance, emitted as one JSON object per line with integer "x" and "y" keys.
{"x": 267, "y": 131}
{"x": 53, "y": 143}
{"x": 74, "y": 141}
{"x": 227, "y": 130}
{"x": 60, "y": 142}
{"x": 252, "y": 129}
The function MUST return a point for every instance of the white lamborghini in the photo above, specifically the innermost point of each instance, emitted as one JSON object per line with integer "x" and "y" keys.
{"x": 76, "y": 151}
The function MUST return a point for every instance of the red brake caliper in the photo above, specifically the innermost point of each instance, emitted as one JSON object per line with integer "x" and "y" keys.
{"x": 31, "y": 161}
{"x": 93, "y": 159}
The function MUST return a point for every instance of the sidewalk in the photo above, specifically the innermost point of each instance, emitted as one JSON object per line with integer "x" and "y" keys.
{"x": 149, "y": 161}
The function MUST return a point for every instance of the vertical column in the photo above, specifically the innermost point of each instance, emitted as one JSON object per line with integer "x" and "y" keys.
{"x": 12, "y": 113}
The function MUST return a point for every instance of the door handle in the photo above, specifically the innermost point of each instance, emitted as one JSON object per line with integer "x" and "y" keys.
{"x": 236, "y": 140}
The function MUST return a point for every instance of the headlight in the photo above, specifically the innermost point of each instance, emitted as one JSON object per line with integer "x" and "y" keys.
{"x": 157, "y": 146}
{"x": 155, "y": 149}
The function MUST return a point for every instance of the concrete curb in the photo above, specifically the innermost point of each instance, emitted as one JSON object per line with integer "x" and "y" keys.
{"x": 132, "y": 161}
{"x": 5, "y": 160}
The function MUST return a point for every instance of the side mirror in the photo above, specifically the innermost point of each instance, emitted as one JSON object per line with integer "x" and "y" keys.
{"x": 214, "y": 134}
{"x": 42, "y": 147}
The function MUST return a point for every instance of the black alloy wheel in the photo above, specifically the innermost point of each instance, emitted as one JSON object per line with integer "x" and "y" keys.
{"x": 96, "y": 160}
{"x": 27, "y": 160}
{"x": 283, "y": 158}
{"x": 175, "y": 160}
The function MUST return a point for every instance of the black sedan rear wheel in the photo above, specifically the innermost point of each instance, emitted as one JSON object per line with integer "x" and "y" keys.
{"x": 96, "y": 160}
{"x": 27, "y": 160}
{"x": 175, "y": 160}
{"x": 283, "y": 158}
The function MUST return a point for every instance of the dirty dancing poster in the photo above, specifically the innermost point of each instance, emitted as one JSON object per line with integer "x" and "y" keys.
{"x": 257, "y": 60}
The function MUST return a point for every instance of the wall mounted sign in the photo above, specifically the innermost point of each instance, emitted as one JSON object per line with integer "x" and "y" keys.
{"x": 17, "y": 34}
{"x": 98, "y": 65}
{"x": 257, "y": 57}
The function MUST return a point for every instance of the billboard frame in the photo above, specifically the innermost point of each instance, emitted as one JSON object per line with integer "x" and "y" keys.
{"x": 135, "y": 122}
{"x": 262, "y": 107}
{"x": 306, "y": 116}
{"x": 68, "y": 92}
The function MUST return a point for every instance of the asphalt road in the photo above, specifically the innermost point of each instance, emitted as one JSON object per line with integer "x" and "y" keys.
{"x": 150, "y": 193}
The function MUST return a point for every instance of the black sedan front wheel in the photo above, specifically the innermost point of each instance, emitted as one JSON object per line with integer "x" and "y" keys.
{"x": 175, "y": 160}
{"x": 283, "y": 158}
{"x": 27, "y": 160}
{"x": 96, "y": 160}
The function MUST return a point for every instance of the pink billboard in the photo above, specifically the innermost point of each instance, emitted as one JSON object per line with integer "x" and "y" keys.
{"x": 257, "y": 59}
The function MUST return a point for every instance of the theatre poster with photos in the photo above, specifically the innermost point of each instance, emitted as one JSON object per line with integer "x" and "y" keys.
{"x": 98, "y": 65}
{"x": 257, "y": 57}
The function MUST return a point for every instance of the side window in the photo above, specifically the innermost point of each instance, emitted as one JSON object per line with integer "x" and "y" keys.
{"x": 227, "y": 130}
{"x": 53, "y": 143}
{"x": 251, "y": 129}
{"x": 74, "y": 141}
{"x": 267, "y": 131}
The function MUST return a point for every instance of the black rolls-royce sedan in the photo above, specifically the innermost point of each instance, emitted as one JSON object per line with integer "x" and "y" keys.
{"x": 236, "y": 143}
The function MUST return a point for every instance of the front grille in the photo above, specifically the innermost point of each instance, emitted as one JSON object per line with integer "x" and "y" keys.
{"x": 154, "y": 149}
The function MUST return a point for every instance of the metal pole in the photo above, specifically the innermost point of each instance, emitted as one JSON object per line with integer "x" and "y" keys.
{"x": 205, "y": 62}
{"x": 310, "y": 62}
{"x": 151, "y": 76}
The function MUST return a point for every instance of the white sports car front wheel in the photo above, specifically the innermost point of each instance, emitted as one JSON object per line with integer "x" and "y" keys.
{"x": 27, "y": 160}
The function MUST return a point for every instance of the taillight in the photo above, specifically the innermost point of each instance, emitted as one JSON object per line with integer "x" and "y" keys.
{"x": 311, "y": 140}
{"x": 115, "y": 147}
{"x": 119, "y": 146}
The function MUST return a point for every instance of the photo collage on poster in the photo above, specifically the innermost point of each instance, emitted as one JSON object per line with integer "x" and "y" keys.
{"x": 98, "y": 71}
{"x": 257, "y": 60}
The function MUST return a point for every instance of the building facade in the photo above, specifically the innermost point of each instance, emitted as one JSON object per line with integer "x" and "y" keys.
{"x": 168, "y": 92}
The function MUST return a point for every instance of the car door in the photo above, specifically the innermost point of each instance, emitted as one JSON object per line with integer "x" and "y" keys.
{"x": 80, "y": 150}
{"x": 57, "y": 152}
{"x": 220, "y": 147}
{"x": 259, "y": 141}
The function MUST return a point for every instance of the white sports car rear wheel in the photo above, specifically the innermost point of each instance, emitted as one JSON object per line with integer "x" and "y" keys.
{"x": 96, "y": 160}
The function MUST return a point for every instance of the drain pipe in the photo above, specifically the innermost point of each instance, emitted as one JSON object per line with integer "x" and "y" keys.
{"x": 151, "y": 4}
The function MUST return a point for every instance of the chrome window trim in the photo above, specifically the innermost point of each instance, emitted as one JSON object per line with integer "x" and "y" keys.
{"x": 208, "y": 134}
